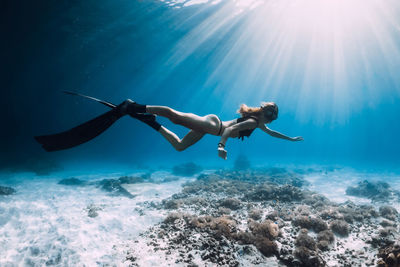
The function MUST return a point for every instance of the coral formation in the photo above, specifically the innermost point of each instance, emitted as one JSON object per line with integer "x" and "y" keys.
{"x": 340, "y": 227}
{"x": 388, "y": 212}
{"x": 222, "y": 223}
{"x": 231, "y": 203}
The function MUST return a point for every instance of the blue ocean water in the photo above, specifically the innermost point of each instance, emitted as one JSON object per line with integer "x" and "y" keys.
{"x": 331, "y": 66}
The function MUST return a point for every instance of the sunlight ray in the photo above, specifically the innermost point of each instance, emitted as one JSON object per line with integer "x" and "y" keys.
{"x": 316, "y": 45}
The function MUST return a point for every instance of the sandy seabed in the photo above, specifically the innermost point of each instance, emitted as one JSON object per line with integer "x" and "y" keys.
{"x": 270, "y": 217}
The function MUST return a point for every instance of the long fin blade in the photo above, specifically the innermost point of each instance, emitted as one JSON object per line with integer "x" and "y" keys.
{"x": 79, "y": 134}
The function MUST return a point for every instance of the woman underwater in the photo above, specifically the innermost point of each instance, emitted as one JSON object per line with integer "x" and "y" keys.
{"x": 251, "y": 118}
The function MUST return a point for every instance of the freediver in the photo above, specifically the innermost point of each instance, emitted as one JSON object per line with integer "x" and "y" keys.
{"x": 251, "y": 118}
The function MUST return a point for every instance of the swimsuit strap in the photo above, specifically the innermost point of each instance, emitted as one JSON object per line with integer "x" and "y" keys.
{"x": 246, "y": 118}
{"x": 255, "y": 118}
{"x": 246, "y": 132}
{"x": 220, "y": 126}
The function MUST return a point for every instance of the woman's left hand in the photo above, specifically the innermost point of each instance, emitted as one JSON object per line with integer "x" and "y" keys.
{"x": 222, "y": 153}
{"x": 297, "y": 138}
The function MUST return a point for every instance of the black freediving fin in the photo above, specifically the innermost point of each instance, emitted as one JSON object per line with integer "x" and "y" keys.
{"x": 79, "y": 134}
{"x": 89, "y": 130}
{"x": 108, "y": 104}
{"x": 149, "y": 119}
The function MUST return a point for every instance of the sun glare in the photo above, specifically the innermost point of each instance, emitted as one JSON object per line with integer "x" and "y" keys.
{"x": 329, "y": 55}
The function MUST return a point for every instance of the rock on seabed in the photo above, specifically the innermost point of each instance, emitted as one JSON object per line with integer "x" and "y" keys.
{"x": 5, "y": 190}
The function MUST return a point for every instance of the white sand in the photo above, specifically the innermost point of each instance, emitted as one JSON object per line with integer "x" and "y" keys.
{"x": 46, "y": 222}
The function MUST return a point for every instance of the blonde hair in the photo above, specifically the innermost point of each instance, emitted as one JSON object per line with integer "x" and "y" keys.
{"x": 244, "y": 110}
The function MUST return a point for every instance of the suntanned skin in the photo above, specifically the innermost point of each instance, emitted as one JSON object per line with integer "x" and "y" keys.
{"x": 209, "y": 124}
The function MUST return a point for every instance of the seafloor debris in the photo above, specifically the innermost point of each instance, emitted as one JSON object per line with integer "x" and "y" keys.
{"x": 233, "y": 218}
{"x": 92, "y": 210}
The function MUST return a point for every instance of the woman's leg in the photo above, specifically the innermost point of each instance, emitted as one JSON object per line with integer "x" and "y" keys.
{"x": 189, "y": 120}
{"x": 207, "y": 124}
{"x": 189, "y": 139}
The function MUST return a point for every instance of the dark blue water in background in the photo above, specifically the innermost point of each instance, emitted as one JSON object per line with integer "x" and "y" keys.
{"x": 338, "y": 89}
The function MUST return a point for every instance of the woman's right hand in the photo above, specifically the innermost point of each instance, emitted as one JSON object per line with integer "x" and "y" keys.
{"x": 222, "y": 153}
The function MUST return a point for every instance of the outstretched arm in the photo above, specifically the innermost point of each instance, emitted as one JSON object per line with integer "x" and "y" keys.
{"x": 279, "y": 135}
{"x": 249, "y": 124}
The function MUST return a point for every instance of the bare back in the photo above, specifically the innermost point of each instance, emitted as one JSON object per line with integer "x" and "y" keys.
{"x": 234, "y": 133}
